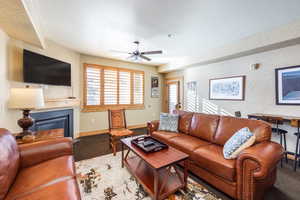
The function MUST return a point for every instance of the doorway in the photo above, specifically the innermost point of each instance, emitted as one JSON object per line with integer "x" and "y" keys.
{"x": 172, "y": 94}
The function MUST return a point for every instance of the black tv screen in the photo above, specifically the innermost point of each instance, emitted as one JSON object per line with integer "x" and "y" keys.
{"x": 44, "y": 70}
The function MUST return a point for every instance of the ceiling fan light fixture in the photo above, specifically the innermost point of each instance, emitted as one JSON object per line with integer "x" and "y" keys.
{"x": 139, "y": 55}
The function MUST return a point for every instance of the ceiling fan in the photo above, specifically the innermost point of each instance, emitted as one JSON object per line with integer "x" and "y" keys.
{"x": 135, "y": 55}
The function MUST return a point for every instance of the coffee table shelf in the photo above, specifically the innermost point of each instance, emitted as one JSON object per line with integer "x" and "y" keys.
{"x": 157, "y": 172}
{"x": 145, "y": 175}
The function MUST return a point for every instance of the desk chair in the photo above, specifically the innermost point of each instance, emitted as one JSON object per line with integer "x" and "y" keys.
{"x": 238, "y": 114}
{"x": 296, "y": 123}
{"x": 117, "y": 128}
{"x": 276, "y": 122}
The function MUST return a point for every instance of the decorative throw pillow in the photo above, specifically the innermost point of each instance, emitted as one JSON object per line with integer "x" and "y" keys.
{"x": 241, "y": 140}
{"x": 168, "y": 122}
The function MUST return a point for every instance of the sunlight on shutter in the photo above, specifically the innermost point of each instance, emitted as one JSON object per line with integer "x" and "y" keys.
{"x": 124, "y": 87}
{"x": 93, "y": 86}
{"x": 191, "y": 99}
{"x": 138, "y": 88}
{"x": 110, "y": 87}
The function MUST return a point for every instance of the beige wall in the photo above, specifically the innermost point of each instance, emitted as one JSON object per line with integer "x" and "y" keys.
{"x": 93, "y": 121}
{"x": 11, "y": 76}
{"x": 6, "y": 116}
{"x": 260, "y": 84}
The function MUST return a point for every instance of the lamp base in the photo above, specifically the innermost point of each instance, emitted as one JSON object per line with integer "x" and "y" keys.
{"x": 25, "y": 123}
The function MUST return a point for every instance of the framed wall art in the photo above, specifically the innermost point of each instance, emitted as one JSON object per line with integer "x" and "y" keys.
{"x": 288, "y": 85}
{"x": 154, "y": 87}
{"x": 229, "y": 88}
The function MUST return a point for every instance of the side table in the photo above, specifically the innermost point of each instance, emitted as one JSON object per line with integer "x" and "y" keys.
{"x": 43, "y": 135}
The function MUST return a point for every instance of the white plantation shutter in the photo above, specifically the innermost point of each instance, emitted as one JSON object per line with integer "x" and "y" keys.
{"x": 138, "y": 88}
{"x": 93, "y": 78}
{"x": 173, "y": 96}
{"x": 109, "y": 87}
{"x": 124, "y": 87}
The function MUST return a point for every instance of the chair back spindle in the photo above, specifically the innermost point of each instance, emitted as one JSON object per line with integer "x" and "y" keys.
{"x": 117, "y": 119}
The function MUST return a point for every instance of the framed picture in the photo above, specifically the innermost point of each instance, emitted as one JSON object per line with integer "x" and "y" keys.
{"x": 231, "y": 88}
{"x": 154, "y": 87}
{"x": 288, "y": 85}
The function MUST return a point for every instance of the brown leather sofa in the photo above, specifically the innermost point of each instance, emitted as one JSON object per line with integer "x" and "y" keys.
{"x": 38, "y": 171}
{"x": 202, "y": 136}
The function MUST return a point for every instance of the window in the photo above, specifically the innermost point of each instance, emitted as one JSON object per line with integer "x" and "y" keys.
{"x": 110, "y": 87}
{"x": 173, "y": 96}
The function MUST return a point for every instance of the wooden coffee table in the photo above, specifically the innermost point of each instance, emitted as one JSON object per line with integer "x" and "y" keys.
{"x": 157, "y": 172}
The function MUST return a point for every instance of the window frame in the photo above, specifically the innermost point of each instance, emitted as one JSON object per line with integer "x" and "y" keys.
{"x": 102, "y": 107}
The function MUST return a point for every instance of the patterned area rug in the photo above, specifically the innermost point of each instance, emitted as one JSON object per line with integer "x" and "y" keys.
{"x": 102, "y": 178}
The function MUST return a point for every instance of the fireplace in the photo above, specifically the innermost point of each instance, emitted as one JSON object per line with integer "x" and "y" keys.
{"x": 53, "y": 120}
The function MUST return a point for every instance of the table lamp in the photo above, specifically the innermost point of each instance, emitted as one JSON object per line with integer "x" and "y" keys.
{"x": 26, "y": 99}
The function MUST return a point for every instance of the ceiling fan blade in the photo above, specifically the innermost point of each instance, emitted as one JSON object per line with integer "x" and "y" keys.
{"x": 130, "y": 57}
{"x": 151, "y": 52}
{"x": 144, "y": 57}
{"x": 116, "y": 51}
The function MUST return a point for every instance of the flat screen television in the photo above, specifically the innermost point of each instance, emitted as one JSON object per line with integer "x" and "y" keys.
{"x": 44, "y": 70}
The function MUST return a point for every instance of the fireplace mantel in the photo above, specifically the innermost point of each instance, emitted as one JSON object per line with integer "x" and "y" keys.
{"x": 60, "y": 104}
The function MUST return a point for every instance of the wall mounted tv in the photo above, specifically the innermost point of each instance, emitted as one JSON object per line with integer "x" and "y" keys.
{"x": 44, "y": 70}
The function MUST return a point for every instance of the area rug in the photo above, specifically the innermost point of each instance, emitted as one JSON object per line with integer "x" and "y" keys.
{"x": 103, "y": 178}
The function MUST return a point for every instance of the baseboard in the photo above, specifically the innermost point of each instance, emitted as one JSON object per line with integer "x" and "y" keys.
{"x": 99, "y": 132}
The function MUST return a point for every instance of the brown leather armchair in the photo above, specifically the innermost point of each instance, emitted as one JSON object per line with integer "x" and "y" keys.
{"x": 42, "y": 170}
{"x": 202, "y": 136}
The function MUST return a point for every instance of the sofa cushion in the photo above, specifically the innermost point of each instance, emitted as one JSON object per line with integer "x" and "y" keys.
{"x": 40, "y": 174}
{"x": 9, "y": 161}
{"x": 185, "y": 119}
{"x": 229, "y": 125}
{"x": 204, "y": 126}
{"x": 210, "y": 157}
{"x": 66, "y": 189}
{"x": 164, "y": 136}
{"x": 187, "y": 143}
{"x": 168, "y": 122}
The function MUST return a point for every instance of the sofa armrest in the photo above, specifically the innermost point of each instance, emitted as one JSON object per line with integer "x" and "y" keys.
{"x": 152, "y": 126}
{"x": 256, "y": 168}
{"x": 37, "y": 152}
{"x": 265, "y": 154}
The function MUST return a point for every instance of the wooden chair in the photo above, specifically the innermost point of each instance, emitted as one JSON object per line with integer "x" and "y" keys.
{"x": 276, "y": 121}
{"x": 296, "y": 123}
{"x": 117, "y": 128}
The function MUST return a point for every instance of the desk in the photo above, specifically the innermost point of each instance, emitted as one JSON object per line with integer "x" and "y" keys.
{"x": 44, "y": 135}
{"x": 292, "y": 120}
{"x": 284, "y": 117}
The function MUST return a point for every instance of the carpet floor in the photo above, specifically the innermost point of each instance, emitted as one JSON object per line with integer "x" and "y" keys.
{"x": 287, "y": 186}
{"x": 103, "y": 178}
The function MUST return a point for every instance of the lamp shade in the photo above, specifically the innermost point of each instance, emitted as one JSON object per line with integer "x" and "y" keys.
{"x": 26, "y": 98}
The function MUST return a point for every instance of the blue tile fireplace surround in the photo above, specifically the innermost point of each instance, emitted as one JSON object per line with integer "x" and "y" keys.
{"x": 53, "y": 120}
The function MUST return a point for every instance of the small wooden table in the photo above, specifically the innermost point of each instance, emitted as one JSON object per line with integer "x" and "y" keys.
{"x": 44, "y": 135}
{"x": 157, "y": 172}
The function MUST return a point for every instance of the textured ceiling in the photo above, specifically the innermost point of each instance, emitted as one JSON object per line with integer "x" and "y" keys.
{"x": 96, "y": 27}
{"x": 15, "y": 21}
